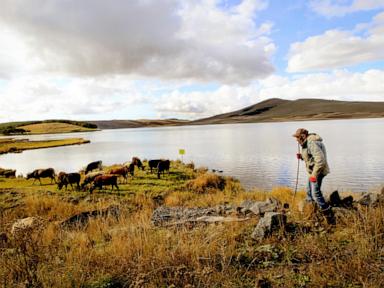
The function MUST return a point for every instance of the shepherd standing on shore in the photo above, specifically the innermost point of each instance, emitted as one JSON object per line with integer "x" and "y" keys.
{"x": 314, "y": 154}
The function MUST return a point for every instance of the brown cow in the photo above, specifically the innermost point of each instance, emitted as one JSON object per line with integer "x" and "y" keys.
{"x": 103, "y": 180}
{"x": 42, "y": 173}
{"x": 121, "y": 171}
{"x": 68, "y": 178}
{"x": 90, "y": 177}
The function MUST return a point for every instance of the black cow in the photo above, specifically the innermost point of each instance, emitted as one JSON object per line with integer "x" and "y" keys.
{"x": 68, "y": 178}
{"x": 103, "y": 180}
{"x": 92, "y": 166}
{"x": 136, "y": 161}
{"x": 8, "y": 173}
{"x": 42, "y": 173}
{"x": 153, "y": 164}
{"x": 131, "y": 169}
{"x": 163, "y": 166}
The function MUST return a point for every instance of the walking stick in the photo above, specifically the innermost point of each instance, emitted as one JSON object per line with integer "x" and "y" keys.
{"x": 298, "y": 167}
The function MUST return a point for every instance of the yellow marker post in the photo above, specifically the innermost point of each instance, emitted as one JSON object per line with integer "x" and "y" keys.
{"x": 182, "y": 152}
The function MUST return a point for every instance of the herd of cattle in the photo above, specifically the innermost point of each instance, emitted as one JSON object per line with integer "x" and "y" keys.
{"x": 93, "y": 179}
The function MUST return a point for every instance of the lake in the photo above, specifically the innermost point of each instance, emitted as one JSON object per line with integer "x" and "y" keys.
{"x": 260, "y": 155}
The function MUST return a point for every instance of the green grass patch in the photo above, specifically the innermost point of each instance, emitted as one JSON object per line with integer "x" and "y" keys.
{"x": 18, "y": 145}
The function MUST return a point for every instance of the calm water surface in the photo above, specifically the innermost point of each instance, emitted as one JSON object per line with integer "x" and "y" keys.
{"x": 259, "y": 154}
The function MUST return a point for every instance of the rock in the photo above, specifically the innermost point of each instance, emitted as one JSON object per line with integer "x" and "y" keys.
{"x": 167, "y": 216}
{"x": 371, "y": 199}
{"x": 216, "y": 219}
{"x": 27, "y": 225}
{"x": 336, "y": 201}
{"x": 3, "y": 239}
{"x": 269, "y": 223}
{"x": 82, "y": 219}
{"x": 259, "y": 207}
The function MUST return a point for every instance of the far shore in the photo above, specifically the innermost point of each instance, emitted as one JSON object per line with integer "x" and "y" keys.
{"x": 12, "y": 145}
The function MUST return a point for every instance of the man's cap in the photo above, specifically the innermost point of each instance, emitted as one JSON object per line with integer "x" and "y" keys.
{"x": 299, "y": 132}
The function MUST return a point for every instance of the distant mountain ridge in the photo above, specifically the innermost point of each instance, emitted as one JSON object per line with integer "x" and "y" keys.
{"x": 271, "y": 110}
{"x": 277, "y": 110}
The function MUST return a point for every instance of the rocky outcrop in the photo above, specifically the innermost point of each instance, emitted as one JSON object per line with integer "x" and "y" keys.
{"x": 80, "y": 220}
{"x": 165, "y": 216}
{"x": 271, "y": 222}
{"x": 259, "y": 207}
{"x": 336, "y": 201}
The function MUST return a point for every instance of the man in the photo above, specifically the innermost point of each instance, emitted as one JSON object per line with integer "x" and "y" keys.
{"x": 315, "y": 157}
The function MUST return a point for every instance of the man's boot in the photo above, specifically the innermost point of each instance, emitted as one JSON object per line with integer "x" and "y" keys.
{"x": 329, "y": 216}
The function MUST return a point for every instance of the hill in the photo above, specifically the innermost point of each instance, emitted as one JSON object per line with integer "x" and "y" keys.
{"x": 45, "y": 127}
{"x": 116, "y": 124}
{"x": 271, "y": 110}
{"x": 275, "y": 110}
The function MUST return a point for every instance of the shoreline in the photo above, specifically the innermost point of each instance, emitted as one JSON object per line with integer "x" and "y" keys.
{"x": 195, "y": 227}
{"x": 18, "y": 146}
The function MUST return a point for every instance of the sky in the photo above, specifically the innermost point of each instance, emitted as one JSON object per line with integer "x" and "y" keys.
{"x": 186, "y": 59}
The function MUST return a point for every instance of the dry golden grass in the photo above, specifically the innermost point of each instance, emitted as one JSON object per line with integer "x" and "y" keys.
{"x": 129, "y": 251}
{"x": 54, "y": 127}
{"x": 18, "y": 146}
{"x": 206, "y": 182}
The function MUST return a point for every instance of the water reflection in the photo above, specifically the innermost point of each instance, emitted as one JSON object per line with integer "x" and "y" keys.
{"x": 261, "y": 154}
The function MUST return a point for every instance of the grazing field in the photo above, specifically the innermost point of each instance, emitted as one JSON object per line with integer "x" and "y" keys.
{"x": 126, "y": 249}
{"x": 54, "y": 127}
{"x": 10, "y": 145}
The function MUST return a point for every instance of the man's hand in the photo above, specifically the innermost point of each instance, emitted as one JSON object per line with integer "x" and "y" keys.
{"x": 298, "y": 156}
{"x": 312, "y": 179}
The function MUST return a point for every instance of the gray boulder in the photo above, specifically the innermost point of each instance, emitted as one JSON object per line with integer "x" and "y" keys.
{"x": 271, "y": 221}
{"x": 371, "y": 199}
{"x": 259, "y": 207}
{"x": 81, "y": 220}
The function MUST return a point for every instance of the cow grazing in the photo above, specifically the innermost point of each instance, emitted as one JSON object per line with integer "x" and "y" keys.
{"x": 137, "y": 162}
{"x": 42, "y": 173}
{"x": 104, "y": 180}
{"x": 68, "y": 178}
{"x": 163, "y": 166}
{"x": 122, "y": 171}
{"x": 8, "y": 173}
{"x": 153, "y": 164}
{"x": 92, "y": 166}
{"x": 90, "y": 177}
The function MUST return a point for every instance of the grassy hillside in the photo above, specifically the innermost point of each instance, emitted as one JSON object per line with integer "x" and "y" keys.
{"x": 303, "y": 109}
{"x": 129, "y": 251}
{"x": 116, "y": 124}
{"x": 9, "y": 145}
{"x": 53, "y": 127}
{"x": 46, "y": 126}
{"x": 272, "y": 110}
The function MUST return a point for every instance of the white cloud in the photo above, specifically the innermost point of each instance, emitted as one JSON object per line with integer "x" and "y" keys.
{"x": 336, "y": 8}
{"x": 39, "y": 97}
{"x": 42, "y": 97}
{"x": 337, "y": 85}
{"x": 337, "y": 48}
{"x": 163, "y": 39}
